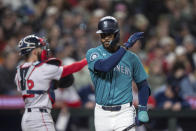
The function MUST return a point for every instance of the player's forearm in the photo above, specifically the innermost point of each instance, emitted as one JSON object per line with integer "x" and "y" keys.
{"x": 143, "y": 92}
{"x": 108, "y": 64}
{"x": 75, "y": 67}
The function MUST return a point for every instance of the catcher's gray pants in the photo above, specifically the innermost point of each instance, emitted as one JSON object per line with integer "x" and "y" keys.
{"x": 35, "y": 120}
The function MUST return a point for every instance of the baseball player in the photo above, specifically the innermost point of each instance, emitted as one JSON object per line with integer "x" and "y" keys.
{"x": 34, "y": 80}
{"x": 113, "y": 68}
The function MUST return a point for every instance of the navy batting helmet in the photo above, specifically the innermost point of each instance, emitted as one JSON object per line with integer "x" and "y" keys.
{"x": 30, "y": 42}
{"x": 108, "y": 24}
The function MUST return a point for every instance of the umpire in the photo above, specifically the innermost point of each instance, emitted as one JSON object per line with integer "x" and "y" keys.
{"x": 113, "y": 68}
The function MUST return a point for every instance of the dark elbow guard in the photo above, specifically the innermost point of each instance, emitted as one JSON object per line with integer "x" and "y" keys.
{"x": 65, "y": 82}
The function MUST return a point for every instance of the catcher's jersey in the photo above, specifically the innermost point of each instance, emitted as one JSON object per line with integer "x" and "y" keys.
{"x": 35, "y": 77}
{"x": 115, "y": 87}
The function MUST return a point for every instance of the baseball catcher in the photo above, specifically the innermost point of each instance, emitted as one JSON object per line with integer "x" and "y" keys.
{"x": 35, "y": 80}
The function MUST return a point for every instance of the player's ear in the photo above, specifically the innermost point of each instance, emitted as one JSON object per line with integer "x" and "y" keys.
{"x": 35, "y": 51}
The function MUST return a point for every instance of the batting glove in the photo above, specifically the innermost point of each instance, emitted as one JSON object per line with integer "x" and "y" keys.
{"x": 142, "y": 116}
{"x": 133, "y": 38}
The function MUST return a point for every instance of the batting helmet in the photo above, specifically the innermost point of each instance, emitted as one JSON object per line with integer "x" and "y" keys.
{"x": 30, "y": 42}
{"x": 108, "y": 24}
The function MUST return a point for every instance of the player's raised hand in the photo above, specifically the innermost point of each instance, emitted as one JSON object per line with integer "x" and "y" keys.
{"x": 133, "y": 38}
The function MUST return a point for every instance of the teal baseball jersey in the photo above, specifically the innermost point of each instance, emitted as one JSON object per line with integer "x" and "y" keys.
{"x": 115, "y": 87}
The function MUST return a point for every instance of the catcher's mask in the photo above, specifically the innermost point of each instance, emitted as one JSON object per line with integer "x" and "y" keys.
{"x": 30, "y": 42}
{"x": 109, "y": 25}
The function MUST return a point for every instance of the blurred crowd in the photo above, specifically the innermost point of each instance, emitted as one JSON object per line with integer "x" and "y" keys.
{"x": 168, "y": 51}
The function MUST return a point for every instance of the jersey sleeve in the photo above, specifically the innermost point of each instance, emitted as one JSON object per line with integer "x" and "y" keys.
{"x": 139, "y": 73}
{"x": 54, "y": 72}
{"x": 92, "y": 56}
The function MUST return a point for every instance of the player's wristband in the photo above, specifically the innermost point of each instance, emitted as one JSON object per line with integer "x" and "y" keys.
{"x": 142, "y": 108}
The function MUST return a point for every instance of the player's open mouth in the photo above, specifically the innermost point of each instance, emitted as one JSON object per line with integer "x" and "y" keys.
{"x": 106, "y": 44}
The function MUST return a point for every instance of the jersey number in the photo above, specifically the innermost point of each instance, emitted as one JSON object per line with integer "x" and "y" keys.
{"x": 23, "y": 82}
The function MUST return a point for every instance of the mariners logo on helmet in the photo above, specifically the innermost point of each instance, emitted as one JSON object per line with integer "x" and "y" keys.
{"x": 27, "y": 44}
